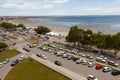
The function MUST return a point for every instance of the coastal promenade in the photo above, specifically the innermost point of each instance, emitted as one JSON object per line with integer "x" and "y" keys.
{"x": 59, "y": 69}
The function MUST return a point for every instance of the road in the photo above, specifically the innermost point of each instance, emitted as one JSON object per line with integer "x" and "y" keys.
{"x": 6, "y": 68}
{"x": 79, "y": 69}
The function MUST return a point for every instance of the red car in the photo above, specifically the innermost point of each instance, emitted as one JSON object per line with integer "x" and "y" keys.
{"x": 14, "y": 44}
{"x": 98, "y": 66}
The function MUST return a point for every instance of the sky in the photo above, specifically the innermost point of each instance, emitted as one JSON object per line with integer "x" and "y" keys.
{"x": 59, "y": 7}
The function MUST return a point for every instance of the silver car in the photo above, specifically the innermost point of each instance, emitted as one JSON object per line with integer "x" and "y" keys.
{"x": 107, "y": 69}
{"x": 91, "y": 77}
{"x": 1, "y": 65}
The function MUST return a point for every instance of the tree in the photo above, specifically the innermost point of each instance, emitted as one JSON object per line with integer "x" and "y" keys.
{"x": 21, "y": 25}
{"x": 7, "y": 25}
{"x": 88, "y": 38}
{"x": 42, "y": 29}
{"x": 73, "y": 35}
{"x": 3, "y": 45}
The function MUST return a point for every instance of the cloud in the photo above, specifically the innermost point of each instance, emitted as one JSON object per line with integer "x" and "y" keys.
{"x": 47, "y": 6}
{"x": 20, "y": 5}
{"x": 25, "y": 5}
{"x": 60, "y": 1}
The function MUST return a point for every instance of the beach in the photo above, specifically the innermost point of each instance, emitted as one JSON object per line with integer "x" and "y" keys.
{"x": 34, "y": 24}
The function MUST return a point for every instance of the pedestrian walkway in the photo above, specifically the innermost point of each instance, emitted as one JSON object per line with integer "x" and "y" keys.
{"x": 59, "y": 69}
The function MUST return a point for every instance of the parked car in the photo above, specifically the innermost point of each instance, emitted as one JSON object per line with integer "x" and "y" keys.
{"x": 31, "y": 46}
{"x": 69, "y": 57}
{"x": 91, "y": 77}
{"x": 14, "y": 44}
{"x": 26, "y": 49}
{"x": 98, "y": 66}
{"x": 41, "y": 56}
{"x": 1, "y": 65}
{"x": 21, "y": 58}
{"x": 45, "y": 49}
{"x": 44, "y": 57}
{"x": 6, "y": 61}
{"x": 79, "y": 61}
{"x": 60, "y": 53}
{"x": 14, "y": 62}
{"x": 101, "y": 56}
{"x": 89, "y": 56}
{"x": 83, "y": 61}
{"x": 50, "y": 50}
{"x": 38, "y": 55}
{"x": 106, "y": 69}
{"x": 100, "y": 59}
{"x": 113, "y": 63}
{"x": 75, "y": 58}
{"x": 82, "y": 54}
{"x": 91, "y": 64}
{"x": 58, "y": 63}
{"x": 64, "y": 55}
{"x": 115, "y": 72}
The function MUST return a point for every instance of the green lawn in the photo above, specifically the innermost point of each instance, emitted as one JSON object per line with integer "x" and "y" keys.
{"x": 12, "y": 37}
{"x": 8, "y": 54}
{"x": 32, "y": 70}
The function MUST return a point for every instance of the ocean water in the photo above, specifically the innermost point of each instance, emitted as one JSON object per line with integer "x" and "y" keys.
{"x": 99, "y": 23}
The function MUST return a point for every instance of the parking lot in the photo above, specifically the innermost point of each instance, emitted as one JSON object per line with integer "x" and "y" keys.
{"x": 79, "y": 68}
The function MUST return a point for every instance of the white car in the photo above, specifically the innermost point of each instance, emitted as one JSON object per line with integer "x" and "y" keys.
{"x": 21, "y": 58}
{"x": 1, "y": 65}
{"x": 100, "y": 59}
{"x": 85, "y": 62}
{"x": 60, "y": 53}
{"x": 91, "y": 64}
{"x": 81, "y": 54}
{"x": 43, "y": 56}
{"x": 6, "y": 61}
{"x": 101, "y": 56}
{"x": 107, "y": 69}
{"x": 91, "y": 77}
{"x": 64, "y": 55}
{"x": 89, "y": 56}
{"x": 113, "y": 63}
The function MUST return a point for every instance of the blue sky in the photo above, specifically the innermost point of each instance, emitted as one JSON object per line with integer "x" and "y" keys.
{"x": 59, "y": 7}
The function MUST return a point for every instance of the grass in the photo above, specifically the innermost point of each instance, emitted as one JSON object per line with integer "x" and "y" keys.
{"x": 8, "y": 54}
{"x": 33, "y": 39}
{"x": 32, "y": 70}
{"x": 12, "y": 37}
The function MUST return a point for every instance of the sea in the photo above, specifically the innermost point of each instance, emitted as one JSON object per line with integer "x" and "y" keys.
{"x": 109, "y": 24}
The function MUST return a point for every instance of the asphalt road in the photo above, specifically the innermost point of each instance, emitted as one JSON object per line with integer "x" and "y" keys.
{"x": 6, "y": 68}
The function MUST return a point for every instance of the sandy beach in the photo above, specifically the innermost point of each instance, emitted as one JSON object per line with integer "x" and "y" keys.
{"x": 31, "y": 24}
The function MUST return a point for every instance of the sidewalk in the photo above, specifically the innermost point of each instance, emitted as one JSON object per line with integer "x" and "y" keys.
{"x": 59, "y": 69}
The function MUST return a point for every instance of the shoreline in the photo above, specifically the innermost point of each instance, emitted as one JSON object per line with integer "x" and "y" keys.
{"x": 61, "y": 29}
